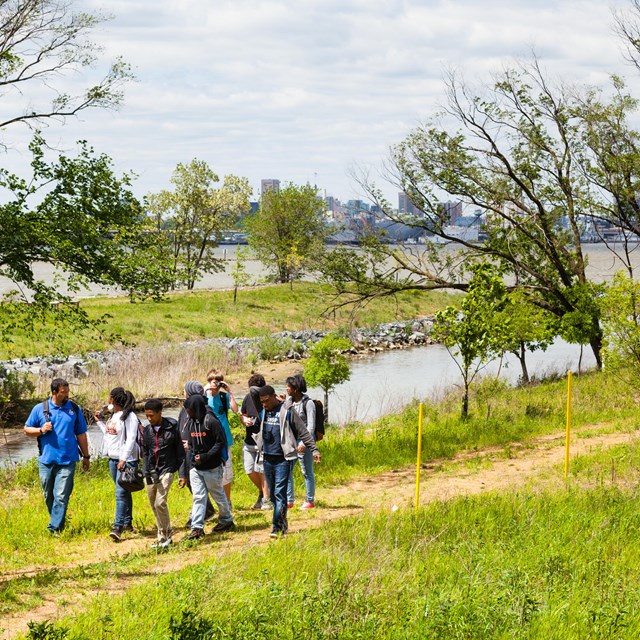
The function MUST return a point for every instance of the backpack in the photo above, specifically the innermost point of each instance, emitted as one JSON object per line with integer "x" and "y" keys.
{"x": 319, "y": 422}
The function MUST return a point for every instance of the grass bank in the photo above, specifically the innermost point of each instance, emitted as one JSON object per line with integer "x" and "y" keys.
{"x": 212, "y": 314}
{"x": 547, "y": 564}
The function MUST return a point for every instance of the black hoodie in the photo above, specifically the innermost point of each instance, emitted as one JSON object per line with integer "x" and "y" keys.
{"x": 205, "y": 434}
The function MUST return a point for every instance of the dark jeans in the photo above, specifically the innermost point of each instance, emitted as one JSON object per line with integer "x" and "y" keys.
{"x": 276, "y": 472}
{"x": 124, "y": 501}
{"x": 57, "y": 485}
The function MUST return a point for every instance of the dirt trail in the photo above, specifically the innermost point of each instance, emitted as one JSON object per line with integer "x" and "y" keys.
{"x": 496, "y": 469}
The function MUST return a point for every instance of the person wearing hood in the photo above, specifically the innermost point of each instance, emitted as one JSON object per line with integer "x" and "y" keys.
{"x": 207, "y": 446}
{"x": 192, "y": 387}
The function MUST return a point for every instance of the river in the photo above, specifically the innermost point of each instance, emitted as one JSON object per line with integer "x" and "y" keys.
{"x": 379, "y": 384}
{"x": 602, "y": 264}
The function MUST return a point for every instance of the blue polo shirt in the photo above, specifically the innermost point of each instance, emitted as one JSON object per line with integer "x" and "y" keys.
{"x": 59, "y": 446}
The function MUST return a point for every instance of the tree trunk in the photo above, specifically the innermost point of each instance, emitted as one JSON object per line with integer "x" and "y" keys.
{"x": 235, "y": 294}
{"x": 522, "y": 357}
{"x": 596, "y": 346}
{"x": 326, "y": 405}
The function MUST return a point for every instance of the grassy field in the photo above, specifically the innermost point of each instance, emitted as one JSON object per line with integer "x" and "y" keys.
{"x": 529, "y": 564}
{"x": 212, "y": 314}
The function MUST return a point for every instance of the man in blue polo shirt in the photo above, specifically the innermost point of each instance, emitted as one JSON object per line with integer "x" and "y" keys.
{"x": 61, "y": 430}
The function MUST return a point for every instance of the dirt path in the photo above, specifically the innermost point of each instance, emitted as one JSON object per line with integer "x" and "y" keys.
{"x": 539, "y": 461}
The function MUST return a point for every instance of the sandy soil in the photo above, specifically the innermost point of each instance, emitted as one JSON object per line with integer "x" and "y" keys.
{"x": 538, "y": 463}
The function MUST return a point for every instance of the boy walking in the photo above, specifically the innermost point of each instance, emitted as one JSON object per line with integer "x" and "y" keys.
{"x": 162, "y": 455}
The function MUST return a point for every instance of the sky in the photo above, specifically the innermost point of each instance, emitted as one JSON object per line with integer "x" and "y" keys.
{"x": 308, "y": 90}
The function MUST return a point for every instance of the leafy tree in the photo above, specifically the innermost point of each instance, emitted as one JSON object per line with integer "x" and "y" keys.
{"x": 522, "y": 151}
{"x": 239, "y": 271}
{"x": 44, "y": 41}
{"x": 474, "y": 333}
{"x": 529, "y": 328}
{"x": 77, "y": 215}
{"x": 620, "y": 307}
{"x": 287, "y": 233}
{"x": 327, "y": 366}
{"x": 193, "y": 215}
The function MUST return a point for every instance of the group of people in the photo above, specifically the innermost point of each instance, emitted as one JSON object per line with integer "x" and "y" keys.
{"x": 279, "y": 432}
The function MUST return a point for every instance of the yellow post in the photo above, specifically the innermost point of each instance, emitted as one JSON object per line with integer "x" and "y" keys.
{"x": 566, "y": 452}
{"x": 417, "y": 498}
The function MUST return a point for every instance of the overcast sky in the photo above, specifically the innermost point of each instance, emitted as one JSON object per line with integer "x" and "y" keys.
{"x": 302, "y": 90}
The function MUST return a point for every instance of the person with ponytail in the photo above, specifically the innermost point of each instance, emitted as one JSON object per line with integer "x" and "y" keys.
{"x": 120, "y": 445}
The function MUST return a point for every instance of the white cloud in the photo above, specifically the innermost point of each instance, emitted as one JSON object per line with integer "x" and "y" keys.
{"x": 292, "y": 89}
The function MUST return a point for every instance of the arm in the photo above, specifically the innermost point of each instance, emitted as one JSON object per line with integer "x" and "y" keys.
{"x": 301, "y": 433}
{"x": 83, "y": 443}
{"x": 178, "y": 449}
{"x": 129, "y": 439}
{"x": 145, "y": 454}
{"x": 220, "y": 439}
{"x": 36, "y": 424}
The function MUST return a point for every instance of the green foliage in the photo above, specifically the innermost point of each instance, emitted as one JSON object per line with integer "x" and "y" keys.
{"x": 46, "y": 631}
{"x": 272, "y": 347}
{"x": 193, "y": 214}
{"x": 621, "y": 319}
{"x": 287, "y": 233}
{"x": 476, "y": 331}
{"x": 326, "y": 367}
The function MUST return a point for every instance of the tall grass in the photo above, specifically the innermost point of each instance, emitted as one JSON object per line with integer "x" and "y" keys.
{"x": 527, "y": 564}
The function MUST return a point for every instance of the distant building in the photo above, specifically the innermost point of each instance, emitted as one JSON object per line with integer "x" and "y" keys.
{"x": 406, "y": 206}
{"x": 269, "y": 184}
{"x": 356, "y": 208}
{"x": 451, "y": 211}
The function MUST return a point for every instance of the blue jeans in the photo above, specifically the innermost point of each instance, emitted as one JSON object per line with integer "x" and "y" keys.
{"x": 124, "y": 500}
{"x": 277, "y": 471}
{"x": 306, "y": 466}
{"x": 57, "y": 484}
{"x": 204, "y": 482}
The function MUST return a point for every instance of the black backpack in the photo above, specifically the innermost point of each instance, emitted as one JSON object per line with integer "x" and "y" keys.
{"x": 319, "y": 423}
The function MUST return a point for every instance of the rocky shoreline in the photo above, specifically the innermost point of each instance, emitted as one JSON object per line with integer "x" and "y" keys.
{"x": 294, "y": 346}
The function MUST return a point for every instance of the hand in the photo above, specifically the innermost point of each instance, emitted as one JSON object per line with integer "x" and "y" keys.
{"x": 182, "y": 483}
{"x": 121, "y": 465}
{"x": 246, "y": 420}
{"x": 185, "y": 444}
{"x": 301, "y": 448}
{"x": 316, "y": 457}
{"x": 47, "y": 427}
{"x": 85, "y": 464}
{"x": 97, "y": 416}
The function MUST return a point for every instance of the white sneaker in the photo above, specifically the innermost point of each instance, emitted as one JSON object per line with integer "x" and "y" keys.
{"x": 166, "y": 543}
{"x": 266, "y": 504}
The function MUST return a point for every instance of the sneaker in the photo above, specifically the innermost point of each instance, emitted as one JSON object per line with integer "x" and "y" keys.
{"x": 308, "y": 505}
{"x": 188, "y": 524}
{"x": 274, "y": 533}
{"x": 222, "y": 527}
{"x": 289, "y": 505}
{"x": 195, "y": 534}
{"x": 116, "y": 534}
{"x": 258, "y": 505}
{"x": 159, "y": 544}
{"x": 167, "y": 543}
{"x": 267, "y": 505}
{"x": 129, "y": 528}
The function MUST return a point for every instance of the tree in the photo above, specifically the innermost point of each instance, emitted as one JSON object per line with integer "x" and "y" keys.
{"x": 77, "y": 215}
{"x": 194, "y": 213}
{"x": 287, "y": 233}
{"x": 42, "y": 42}
{"x": 327, "y": 366}
{"x": 621, "y": 319}
{"x": 529, "y": 328}
{"x": 239, "y": 271}
{"x": 474, "y": 333}
{"x": 521, "y": 155}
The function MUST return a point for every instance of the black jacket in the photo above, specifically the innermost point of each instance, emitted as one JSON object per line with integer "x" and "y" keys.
{"x": 162, "y": 452}
{"x": 205, "y": 436}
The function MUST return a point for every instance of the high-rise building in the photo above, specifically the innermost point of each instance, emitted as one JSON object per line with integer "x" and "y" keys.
{"x": 269, "y": 184}
{"x": 405, "y": 205}
{"x": 451, "y": 211}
